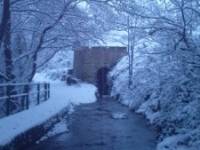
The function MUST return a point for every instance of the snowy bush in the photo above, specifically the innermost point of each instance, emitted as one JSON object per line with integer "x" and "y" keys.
{"x": 165, "y": 90}
{"x": 56, "y": 67}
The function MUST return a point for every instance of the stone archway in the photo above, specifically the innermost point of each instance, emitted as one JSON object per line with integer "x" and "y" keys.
{"x": 88, "y": 60}
{"x": 102, "y": 81}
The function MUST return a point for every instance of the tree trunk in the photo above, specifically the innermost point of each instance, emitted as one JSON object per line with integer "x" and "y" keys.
{"x": 5, "y": 40}
{"x": 5, "y": 19}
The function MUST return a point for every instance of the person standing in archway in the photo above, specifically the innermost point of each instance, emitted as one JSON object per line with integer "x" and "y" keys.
{"x": 102, "y": 82}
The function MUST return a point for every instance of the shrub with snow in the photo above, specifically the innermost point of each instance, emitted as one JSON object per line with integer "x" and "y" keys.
{"x": 165, "y": 90}
{"x": 56, "y": 67}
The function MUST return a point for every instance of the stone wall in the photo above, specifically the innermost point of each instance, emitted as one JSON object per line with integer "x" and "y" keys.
{"x": 87, "y": 61}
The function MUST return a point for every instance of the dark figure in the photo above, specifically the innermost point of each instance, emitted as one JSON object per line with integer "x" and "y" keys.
{"x": 102, "y": 81}
{"x": 71, "y": 81}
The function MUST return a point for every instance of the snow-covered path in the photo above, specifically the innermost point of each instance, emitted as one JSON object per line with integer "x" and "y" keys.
{"x": 62, "y": 97}
{"x": 99, "y": 126}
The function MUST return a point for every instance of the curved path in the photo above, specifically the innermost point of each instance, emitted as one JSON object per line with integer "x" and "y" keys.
{"x": 92, "y": 127}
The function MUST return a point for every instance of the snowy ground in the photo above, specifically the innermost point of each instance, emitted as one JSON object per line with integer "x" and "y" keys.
{"x": 59, "y": 128}
{"x": 62, "y": 96}
{"x": 92, "y": 127}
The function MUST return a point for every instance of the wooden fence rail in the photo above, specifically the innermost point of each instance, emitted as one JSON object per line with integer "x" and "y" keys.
{"x": 17, "y": 97}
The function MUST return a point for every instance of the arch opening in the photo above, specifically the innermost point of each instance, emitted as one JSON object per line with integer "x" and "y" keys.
{"x": 102, "y": 81}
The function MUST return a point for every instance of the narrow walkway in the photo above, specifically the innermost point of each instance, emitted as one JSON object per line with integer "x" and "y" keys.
{"x": 92, "y": 127}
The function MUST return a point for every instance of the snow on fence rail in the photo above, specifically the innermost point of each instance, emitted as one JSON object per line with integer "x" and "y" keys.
{"x": 16, "y": 97}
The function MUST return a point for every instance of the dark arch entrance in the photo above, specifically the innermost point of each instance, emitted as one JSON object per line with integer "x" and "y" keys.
{"x": 102, "y": 81}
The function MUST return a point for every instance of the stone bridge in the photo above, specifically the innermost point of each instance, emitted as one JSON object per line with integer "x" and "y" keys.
{"x": 89, "y": 63}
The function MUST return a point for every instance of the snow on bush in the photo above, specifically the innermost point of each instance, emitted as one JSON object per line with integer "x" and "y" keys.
{"x": 56, "y": 67}
{"x": 165, "y": 90}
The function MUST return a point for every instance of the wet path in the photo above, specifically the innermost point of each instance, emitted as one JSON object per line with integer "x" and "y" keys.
{"x": 92, "y": 127}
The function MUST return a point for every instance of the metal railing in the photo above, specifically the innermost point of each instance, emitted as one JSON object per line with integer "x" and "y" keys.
{"x": 17, "y": 97}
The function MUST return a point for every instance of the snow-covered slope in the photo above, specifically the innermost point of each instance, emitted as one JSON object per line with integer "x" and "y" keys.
{"x": 162, "y": 92}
